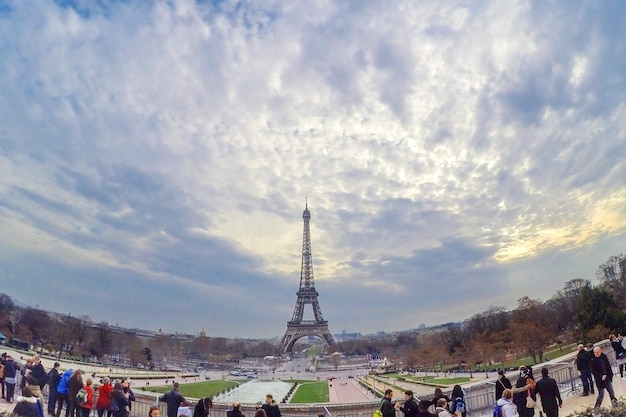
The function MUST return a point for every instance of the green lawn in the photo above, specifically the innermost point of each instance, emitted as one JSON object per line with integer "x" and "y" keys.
{"x": 198, "y": 389}
{"x": 311, "y": 392}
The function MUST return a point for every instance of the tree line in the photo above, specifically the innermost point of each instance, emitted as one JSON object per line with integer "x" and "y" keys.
{"x": 579, "y": 312}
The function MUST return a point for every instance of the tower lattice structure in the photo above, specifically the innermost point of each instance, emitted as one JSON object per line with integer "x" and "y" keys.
{"x": 298, "y": 327}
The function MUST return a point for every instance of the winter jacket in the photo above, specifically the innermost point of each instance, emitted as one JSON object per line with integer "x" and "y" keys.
{"x": 508, "y": 408}
{"x": 104, "y": 397}
{"x": 63, "y": 387}
{"x": 89, "y": 403}
{"x": 27, "y": 407}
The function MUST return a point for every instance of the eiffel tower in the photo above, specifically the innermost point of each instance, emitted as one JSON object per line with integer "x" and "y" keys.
{"x": 297, "y": 327}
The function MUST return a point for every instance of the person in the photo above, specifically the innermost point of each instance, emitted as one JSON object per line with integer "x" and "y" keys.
{"x": 26, "y": 371}
{"x": 85, "y": 408}
{"x": 620, "y": 353}
{"x": 501, "y": 384}
{"x": 548, "y": 390}
{"x": 52, "y": 380}
{"x": 438, "y": 395}
{"x": 582, "y": 364}
{"x": 63, "y": 393}
{"x": 38, "y": 372}
{"x": 74, "y": 384}
{"x": 203, "y": 407}
{"x": 27, "y": 405}
{"x": 10, "y": 377}
{"x": 506, "y": 404}
{"x": 103, "y": 402}
{"x": 236, "y": 411}
{"x": 129, "y": 392}
{"x": 442, "y": 408}
{"x": 2, "y": 360}
{"x": 119, "y": 401}
{"x": 173, "y": 399}
{"x": 603, "y": 374}
{"x": 423, "y": 409}
{"x": 519, "y": 395}
{"x": 386, "y": 406}
{"x": 154, "y": 411}
{"x": 410, "y": 408}
{"x": 260, "y": 412}
{"x": 184, "y": 410}
{"x": 33, "y": 384}
{"x": 458, "y": 401}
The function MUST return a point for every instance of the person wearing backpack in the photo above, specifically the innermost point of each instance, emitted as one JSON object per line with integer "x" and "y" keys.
{"x": 458, "y": 401}
{"x": 386, "y": 406}
{"x": 86, "y": 400}
{"x": 410, "y": 408}
{"x": 505, "y": 406}
{"x": 74, "y": 384}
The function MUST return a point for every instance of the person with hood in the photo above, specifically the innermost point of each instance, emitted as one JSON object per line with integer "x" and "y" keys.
{"x": 520, "y": 395}
{"x": 52, "y": 380}
{"x": 63, "y": 393}
{"x": 548, "y": 390}
{"x": 236, "y": 411}
{"x": 103, "y": 403}
{"x": 203, "y": 408}
{"x": 10, "y": 377}
{"x": 507, "y": 407}
{"x": 27, "y": 405}
{"x": 270, "y": 407}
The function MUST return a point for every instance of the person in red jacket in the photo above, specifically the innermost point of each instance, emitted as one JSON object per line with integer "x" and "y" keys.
{"x": 103, "y": 403}
{"x": 85, "y": 408}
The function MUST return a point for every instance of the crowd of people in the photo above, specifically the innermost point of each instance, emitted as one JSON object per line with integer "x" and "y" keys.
{"x": 67, "y": 390}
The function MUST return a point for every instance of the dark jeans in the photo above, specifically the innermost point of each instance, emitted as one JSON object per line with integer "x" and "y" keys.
{"x": 609, "y": 387}
{"x": 2, "y": 384}
{"x": 585, "y": 377}
{"x": 10, "y": 391}
{"x": 101, "y": 413}
{"x": 62, "y": 398}
{"x": 52, "y": 399}
{"x": 84, "y": 411}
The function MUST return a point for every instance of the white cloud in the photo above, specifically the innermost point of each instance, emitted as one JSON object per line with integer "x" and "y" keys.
{"x": 181, "y": 139}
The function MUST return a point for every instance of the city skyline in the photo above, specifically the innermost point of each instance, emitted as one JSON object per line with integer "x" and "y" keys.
{"x": 155, "y": 158}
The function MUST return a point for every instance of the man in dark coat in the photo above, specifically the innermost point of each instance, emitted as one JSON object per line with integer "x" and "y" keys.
{"x": 236, "y": 411}
{"x": 270, "y": 407}
{"x": 548, "y": 389}
{"x": 501, "y": 384}
{"x": 173, "y": 399}
{"x": 410, "y": 408}
{"x": 582, "y": 364}
{"x": 603, "y": 374}
{"x": 386, "y": 406}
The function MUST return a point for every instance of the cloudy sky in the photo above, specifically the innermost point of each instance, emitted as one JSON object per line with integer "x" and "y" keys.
{"x": 156, "y": 156}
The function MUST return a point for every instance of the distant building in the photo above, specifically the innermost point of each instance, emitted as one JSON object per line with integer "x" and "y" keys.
{"x": 202, "y": 332}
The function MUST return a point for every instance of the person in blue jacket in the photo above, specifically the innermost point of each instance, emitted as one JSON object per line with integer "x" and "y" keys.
{"x": 63, "y": 390}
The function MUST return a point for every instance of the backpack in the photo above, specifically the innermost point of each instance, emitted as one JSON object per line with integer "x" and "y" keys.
{"x": 497, "y": 410}
{"x": 82, "y": 397}
{"x": 115, "y": 407}
{"x": 459, "y": 405}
